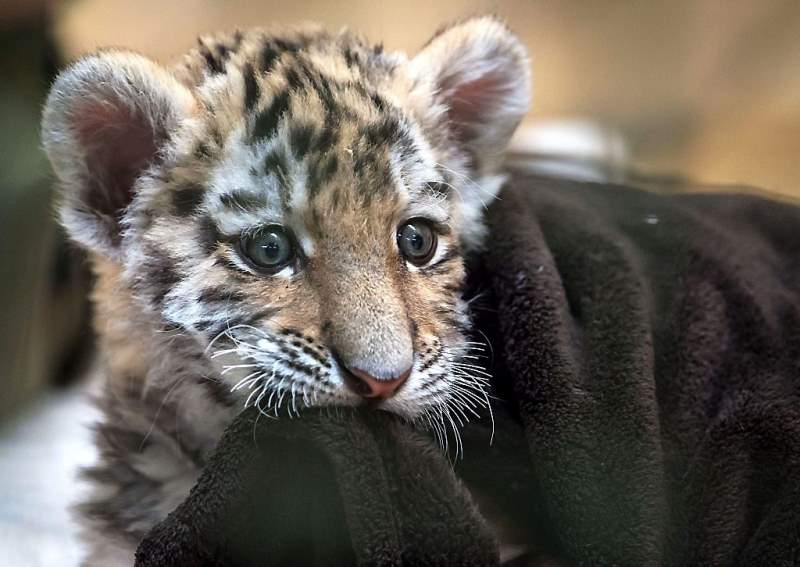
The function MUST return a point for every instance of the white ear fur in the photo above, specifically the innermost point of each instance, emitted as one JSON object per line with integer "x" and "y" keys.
{"x": 472, "y": 80}
{"x": 106, "y": 120}
{"x": 478, "y": 72}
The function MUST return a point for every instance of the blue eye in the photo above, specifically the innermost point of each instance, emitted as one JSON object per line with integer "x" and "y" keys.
{"x": 417, "y": 241}
{"x": 269, "y": 248}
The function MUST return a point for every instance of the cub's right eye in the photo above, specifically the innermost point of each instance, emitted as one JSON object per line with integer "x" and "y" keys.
{"x": 268, "y": 249}
{"x": 417, "y": 241}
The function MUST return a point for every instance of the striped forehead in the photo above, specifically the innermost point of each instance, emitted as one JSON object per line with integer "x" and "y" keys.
{"x": 305, "y": 138}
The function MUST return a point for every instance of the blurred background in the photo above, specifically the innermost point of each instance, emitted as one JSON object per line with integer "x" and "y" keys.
{"x": 674, "y": 95}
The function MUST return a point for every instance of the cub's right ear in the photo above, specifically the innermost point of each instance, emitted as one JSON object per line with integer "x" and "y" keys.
{"x": 107, "y": 119}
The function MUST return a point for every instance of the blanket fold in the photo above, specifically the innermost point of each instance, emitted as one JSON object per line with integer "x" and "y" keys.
{"x": 333, "y": 488}
{"x": 647, "y": 348}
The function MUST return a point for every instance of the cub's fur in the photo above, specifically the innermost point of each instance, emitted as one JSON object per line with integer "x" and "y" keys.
{"x": 167, "y": 173}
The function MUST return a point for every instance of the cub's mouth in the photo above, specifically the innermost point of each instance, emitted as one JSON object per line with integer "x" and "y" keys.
{"x": 282, "y": 373}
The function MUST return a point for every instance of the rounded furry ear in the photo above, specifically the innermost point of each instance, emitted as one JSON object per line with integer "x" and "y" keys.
{"x": 106, "y": 120}
{"x": 478, "y": 72}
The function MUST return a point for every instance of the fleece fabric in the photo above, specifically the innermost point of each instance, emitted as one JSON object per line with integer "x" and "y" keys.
{"x": 646, "y": 355}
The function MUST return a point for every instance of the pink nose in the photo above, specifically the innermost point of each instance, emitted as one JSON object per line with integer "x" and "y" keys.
{"x": 367, "y": 386}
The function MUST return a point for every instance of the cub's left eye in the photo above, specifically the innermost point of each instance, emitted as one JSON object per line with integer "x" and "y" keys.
{"x": 417, "y": 241}
{"x": 268, "y": 249}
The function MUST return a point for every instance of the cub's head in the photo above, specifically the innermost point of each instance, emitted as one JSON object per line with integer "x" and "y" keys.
{"x": 299, "y": 203}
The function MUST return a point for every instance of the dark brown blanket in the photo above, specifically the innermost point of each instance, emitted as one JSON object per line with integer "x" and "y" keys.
{"x": 648, "y": 348}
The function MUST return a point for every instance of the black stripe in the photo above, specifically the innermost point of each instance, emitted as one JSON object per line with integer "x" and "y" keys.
{"x": 387, "y": 129}
{"x": 186, "y": 200}
{"x": 302, "y": 74}
{"x": 322, "y": 85}
{"x": 223, "y": 52}
{"x": 300, "y": 136}
{"x": 276, "y": 162}
{"x": 267, "y": 121}
{"x": 251, "y": 319}
{"x": 327, "y": 137}
{"x": 259, "y": 315}
{"x": 320, "y": 171}
{"x": 220, "y": 294}
{"x": 378, "y": 101}
{"x": 251, "y": 88}
{"x": 213, "y": 64}
{"x": 210, "y": 236}
{"x": 273, "y": 49}
{"x": 351, "y": 57}
{"x": 243, "y": 201}
{"x": 408, "y": 152}
{"x": 160, "y": 276}
{"x": 330, "y": 167}
{"x": 218, "y": 52}
{"x": 453, "y": 252}
{"x": 269, "y": 55}
{"x": 293, "y": 78}
{"x": 202, "y": 151}
{"x": 227, "y": 263}
{"x": 442, "y": 265}
{"x": 218, "y": 391}
{"x": 215, "y": 55}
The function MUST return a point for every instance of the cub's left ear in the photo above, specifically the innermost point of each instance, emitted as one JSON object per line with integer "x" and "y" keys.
{"x": 478, "y": 73}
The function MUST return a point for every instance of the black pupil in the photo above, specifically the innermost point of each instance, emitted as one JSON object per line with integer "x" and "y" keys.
{"x": 417, "y": 242}
{"x": 271, "y": 249}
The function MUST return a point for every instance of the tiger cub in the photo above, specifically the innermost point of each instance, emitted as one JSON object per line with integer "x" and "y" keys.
{"x": 278, "y": 220}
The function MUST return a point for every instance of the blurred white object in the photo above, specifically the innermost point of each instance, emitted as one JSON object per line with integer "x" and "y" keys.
{"x": 40, "y": 453}
{"x": 578, "y": 149}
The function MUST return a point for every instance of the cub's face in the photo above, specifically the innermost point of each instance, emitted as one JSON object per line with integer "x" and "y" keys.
{"x": 299, "y": 203}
